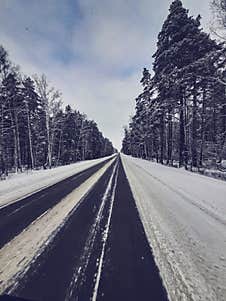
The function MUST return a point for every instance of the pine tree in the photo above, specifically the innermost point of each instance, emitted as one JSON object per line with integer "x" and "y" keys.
{"x": 31, "y": 102}
{"x": 181, "y": 112}
{"x": 13, "y": 100}
{"x": 4, "y": 70}
{"x": 35, "y": 132}
{"x": 181, "y": 42}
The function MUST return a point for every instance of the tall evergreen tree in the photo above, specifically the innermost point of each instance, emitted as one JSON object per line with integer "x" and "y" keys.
{"x": 35, "y": 132}
{"x": 180, "y": 106}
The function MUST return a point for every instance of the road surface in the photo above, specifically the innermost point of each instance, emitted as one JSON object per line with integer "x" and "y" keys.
{"x": 122, "y": 229}
{"x": 80, "y": 239}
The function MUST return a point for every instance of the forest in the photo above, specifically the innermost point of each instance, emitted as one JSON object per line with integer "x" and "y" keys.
{"x": 180, "y": 116}
{"x": 35, "y": 131}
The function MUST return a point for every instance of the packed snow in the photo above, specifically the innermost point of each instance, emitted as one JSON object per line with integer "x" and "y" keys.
{"x": 23, "y": 184}
{"x": 19, "y": 253}
{"x": 184, "y": 216}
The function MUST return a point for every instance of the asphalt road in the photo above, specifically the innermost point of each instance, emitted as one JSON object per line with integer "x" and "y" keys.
{"x": 101, "y": 253}
{"x": 17, "y": 216}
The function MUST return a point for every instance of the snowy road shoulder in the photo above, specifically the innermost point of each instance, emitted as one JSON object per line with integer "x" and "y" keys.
{"x": 188, "y": 242}
{"x": 24, "y": 184}
{"x": 207, "y": 193}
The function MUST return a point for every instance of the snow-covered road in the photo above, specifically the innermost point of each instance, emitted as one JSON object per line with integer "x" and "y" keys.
{"x": 23, "y": 184}
{"x": 184, "y": 216}
{"x": 81, "y": 239}
{"x": 84, "y": 238}
{"x": 17, "y": 255}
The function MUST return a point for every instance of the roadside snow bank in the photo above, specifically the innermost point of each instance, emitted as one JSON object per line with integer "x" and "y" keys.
{"x": 23, "y": 184}
{"x": 207, "y": 193}
{"x": 19, "y": 253}
{"x": 184, "y": 217}
{"x": 217, "y": 174}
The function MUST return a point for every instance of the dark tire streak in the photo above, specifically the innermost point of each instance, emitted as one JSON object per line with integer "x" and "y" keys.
{"x": 15, "y": 217}
{"x": 50, "y": 275}
{"x": 129, "y": 271}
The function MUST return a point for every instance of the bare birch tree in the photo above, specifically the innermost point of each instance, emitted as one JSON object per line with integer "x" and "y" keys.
{"x": 51, "y": 101}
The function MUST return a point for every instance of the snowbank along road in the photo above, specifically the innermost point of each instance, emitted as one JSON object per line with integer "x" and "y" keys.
{"x": 120, "y": 229}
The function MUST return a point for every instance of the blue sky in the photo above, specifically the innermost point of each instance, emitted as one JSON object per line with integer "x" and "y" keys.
{"x": 93, "y": 51}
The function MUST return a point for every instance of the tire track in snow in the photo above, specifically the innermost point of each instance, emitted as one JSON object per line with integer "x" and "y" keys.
{"x": 79, "y": 276}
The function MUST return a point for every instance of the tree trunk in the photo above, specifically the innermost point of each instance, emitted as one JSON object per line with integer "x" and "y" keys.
{"x": 15, "y": 150}
{"x": 202, "y": 127}
{"x": 194, "y": 127}
{"x": 170, "y": 137}
{"x": 162, "y": 136}
{"x": 29, "y": 136}
{"x": 59, "y": 148}
{"x": 145, "y": 149}
{"x": 186, "y": 134}
{"x": 2, "y": 161}
{"x": 18, "y": 141}
{"x": 49, "y": 155}
{"x": 182, "y": 134}
{"x": 214, "y": 128}
{"x": 223, "y": 130}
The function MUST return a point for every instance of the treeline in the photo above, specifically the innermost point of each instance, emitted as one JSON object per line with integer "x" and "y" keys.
{"x": 181, "y": 113}
{"x": 34, "y": 129}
